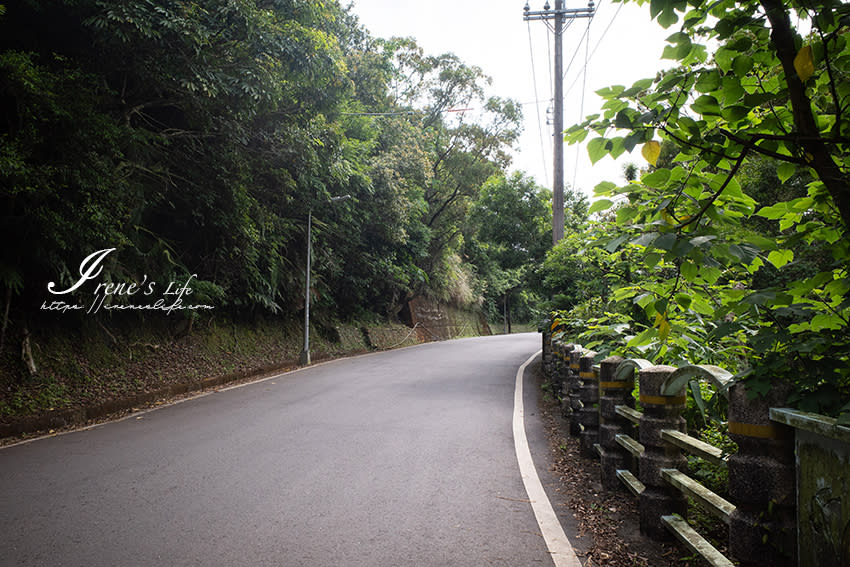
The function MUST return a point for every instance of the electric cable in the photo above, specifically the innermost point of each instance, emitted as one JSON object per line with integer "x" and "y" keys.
{"x": 608, "y": 27}
{"x": 583, "y": 92}
{"x": 537, "y": 106}
{"x": 583, "y": 35}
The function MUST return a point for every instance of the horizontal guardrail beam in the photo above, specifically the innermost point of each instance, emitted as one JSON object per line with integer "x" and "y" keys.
{"x": 709, "y": 500}
{"x": 632, "y": 483}
{"x": 694, "y": 446}
{"x": 695, "y": 542}
{"x": 631, "y": 414}
{"x": 629, "y": 444}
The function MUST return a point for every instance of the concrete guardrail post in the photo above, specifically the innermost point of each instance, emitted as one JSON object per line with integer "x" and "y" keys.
{"x": 547, "y": 353}
{"x": 762, "y": 482}
{"x": 566, "y": 376}
{"x": 571, "y": 390}
{"x": 613, "y": 393}
{"x": 588, "y": 413}
{"x": 560, "y": 369}
{"x": 659, "y": 413}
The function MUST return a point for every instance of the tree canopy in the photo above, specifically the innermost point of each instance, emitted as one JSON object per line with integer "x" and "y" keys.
{"x": 195, "y": 138}
{"x": 741, "y": 230}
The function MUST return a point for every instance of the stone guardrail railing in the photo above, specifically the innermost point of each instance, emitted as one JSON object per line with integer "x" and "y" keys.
{"x": 789, "y": 481}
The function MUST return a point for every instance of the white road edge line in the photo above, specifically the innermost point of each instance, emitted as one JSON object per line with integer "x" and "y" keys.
{"x": 560, "y": 549}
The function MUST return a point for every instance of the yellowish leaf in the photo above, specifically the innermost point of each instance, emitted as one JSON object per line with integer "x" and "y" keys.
{"x": 663, "y": 326}
{"x": 664, "y": 330}
{"x": 651, "y": 151}
{"x": 804, "y": 63}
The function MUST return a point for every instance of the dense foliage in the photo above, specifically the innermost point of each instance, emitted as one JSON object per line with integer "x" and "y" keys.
{"x": 737, "y": 229}
{"x": 195, "y": 137}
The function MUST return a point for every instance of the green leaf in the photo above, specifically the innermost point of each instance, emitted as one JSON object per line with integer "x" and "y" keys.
{"x": 645, "y": 239}
{"x": 600, "y": 205}
{"x": 612, "y": 246}
{"x": 760, "y": 297}
{"x": 656, "y": 178}
{"x": 732, "y": 90}
{"x": 604, "y": 188}
{"x": 651, "y": 260}
{"x": 735, "y": 113}
{"x": 644, "y": 300}
{"x": 710, "y": 274}
{"x": 708, "y": 81}
{"x": 701, "y": 241}
{"x": 624, "y": 293}
{"x": 741, "y": 65}
{"x": 597, "y": 149}
{"x": 643, "y": 84}
{"x": 823, "y": 321}
{"x": 780, "y": 257}
{"x": 774, "y": 212}
{"x": 724, "y": 57}
{"x": 743, "y": 252}
{"x": 625, "y": 215}
{"x": 706, "y": 105}
{"x": 702, "y": 306}
{"x": 680, "y": 49}
{"x": 785, "y": 170}
{"x": 683, "y": 300}
{"x": 696, "y": 394}
{"x": 689, "y": 271}
{"x": 625, "y": 118}
{"x": 668, "y": 17}
{"x": 665, "y": 242}
{"x": 642, "y": 339}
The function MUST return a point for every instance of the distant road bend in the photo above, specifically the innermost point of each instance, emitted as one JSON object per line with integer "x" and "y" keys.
{"x": 400, "y": 458}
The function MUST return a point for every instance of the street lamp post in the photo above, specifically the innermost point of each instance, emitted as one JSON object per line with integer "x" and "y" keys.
{"x": 304, "y": 360}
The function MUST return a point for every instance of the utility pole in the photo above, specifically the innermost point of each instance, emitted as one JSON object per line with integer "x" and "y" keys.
{"x": 559, "y": 15}
{"x": 304, "y": 359}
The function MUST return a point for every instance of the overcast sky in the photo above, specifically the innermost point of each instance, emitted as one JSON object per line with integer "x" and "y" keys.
{"x": 493, "y": 36}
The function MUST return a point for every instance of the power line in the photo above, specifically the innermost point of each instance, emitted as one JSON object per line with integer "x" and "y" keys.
{"x": 407, "y": 112}
{"x": 595, "y": 47}
{"x": 583, "y": 92}
{"x": 582, "y": 38}
{"x": 397, "y": 113}
{"x": 537, "y": 105}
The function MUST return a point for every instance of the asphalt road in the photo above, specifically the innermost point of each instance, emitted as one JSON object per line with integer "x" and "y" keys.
{"x": 399, "y": 458}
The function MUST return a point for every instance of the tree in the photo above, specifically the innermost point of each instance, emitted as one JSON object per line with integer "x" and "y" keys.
{"x": 166, "y": 129}
{"x": 767, "y": 93}
{"x": 506, "y": 237}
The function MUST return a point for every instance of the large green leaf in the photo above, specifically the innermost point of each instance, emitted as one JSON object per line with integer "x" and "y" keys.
{"x": 706, "y": 105}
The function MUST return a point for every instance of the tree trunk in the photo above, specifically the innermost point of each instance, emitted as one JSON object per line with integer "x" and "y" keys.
{"x": 816, "y": 150}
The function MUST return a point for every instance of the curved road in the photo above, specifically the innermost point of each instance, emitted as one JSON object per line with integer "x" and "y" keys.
{"x": 399, "y": 458}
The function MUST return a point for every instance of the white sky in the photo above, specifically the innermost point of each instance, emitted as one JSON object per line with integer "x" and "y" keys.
{"x": 493, "y": 36}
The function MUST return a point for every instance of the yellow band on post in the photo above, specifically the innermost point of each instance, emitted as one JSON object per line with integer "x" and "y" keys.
{"x": 588, "y": 375}
{"x": 663, "y": 400}
{"x": 617, "y": 385}
{"x": 753, "y": 430}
